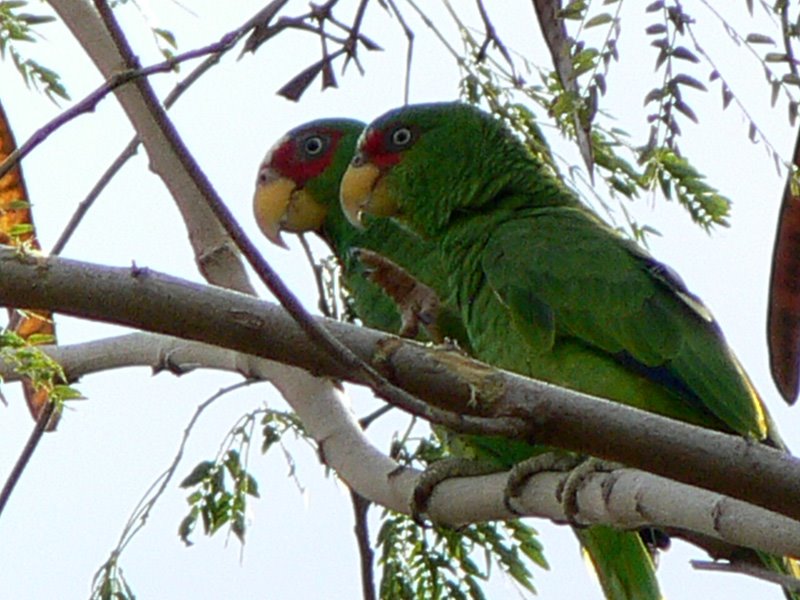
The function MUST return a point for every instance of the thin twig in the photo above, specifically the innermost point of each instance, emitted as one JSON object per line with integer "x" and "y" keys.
{"x": 25, "y": 456}
{"x": 374, "y": 416}
{"x": 361, "y": 529}
{"x": 316, "y": 269}
{"x": 409, "y": 52}
{"x": 89, "y": 103}
{"x": 786, "y": 581}
{"x": 94, "y": 193}
{"x": 490, "y": 37}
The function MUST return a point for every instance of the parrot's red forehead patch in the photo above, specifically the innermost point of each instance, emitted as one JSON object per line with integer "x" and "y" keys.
{"x": 305, "y": 154}
{"x": 377, "y": 149}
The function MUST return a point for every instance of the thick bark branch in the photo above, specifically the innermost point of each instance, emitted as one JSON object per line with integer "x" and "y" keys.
{"x": 502, "y": 402}
{"x": 216, "y": 256}
{"x": 626, "y": 498}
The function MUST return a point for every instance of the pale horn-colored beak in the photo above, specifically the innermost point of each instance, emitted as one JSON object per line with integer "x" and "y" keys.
{"x": 356, "y": 190}
{"x": 270, "y": 204}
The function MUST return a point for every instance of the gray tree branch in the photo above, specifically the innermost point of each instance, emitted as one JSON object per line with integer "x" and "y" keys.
{"x": 463, "y": 395}
{"x": 625, "y": 498}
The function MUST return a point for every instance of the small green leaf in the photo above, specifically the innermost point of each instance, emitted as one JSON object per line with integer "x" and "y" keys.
{"x": 19, "y": 205}
{"x": 39, "y": 339}
{"x": 683, "y": 53}
{"x": 198, "y": 474}
{"x": 757, "y": 38}
{"x": 20, "y": 229}
{"x": 597, "y": 20}
{"x": 251, "y": 486}
{"x": 167, "y": 36}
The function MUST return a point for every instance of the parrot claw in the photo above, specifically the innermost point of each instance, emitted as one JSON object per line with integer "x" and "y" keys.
{"x": 436, "y": 473}
{"x": 416, "y": 302}
{"x": 523, "y": 471}
{"x": 574, "y": 481}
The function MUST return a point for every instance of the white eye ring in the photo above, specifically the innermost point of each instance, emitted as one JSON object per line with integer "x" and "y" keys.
{"x": 313, "y": 145}
{"x": 401, "y": 136}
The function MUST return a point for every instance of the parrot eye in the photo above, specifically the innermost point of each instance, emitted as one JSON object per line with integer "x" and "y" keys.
{"x": 313, "y": 145}
{"x": 401, "y": 137}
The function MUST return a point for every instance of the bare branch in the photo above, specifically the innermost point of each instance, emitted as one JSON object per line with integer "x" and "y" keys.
{"x": 27, "y": 452}
{"x": 361, "y": 530}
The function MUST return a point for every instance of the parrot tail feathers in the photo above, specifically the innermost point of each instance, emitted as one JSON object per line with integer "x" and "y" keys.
{"x": 622, "y": 563}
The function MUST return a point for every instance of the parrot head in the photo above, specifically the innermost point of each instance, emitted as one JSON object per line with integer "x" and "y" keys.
{"x": 298, "y": 175}
{"x": 424, "y": 163}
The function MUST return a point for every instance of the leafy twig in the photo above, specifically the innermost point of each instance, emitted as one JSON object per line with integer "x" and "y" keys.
{"x": 109, "y": 573}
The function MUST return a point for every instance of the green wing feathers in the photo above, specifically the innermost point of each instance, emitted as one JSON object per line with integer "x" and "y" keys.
{"x": 602, "y": 301}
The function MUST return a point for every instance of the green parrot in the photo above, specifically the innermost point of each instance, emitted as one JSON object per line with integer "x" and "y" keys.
{"x": 298, "y": 190}
{"x": 545, "y": 288}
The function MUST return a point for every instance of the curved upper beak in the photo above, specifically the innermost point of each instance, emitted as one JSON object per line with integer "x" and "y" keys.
{"x": 363, "y": 190}
{"x": 270, "y": 205}
{"x": 356, "y": 190}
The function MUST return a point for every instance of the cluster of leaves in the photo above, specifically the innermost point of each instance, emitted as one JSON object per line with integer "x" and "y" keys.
{"x": 222, "y": 486}
{"x": 434, "y": 563}
{"x": 111, "y": 583}
{"x": 30, "y": 362}
{"x": 17, "y": 26}
{"x": 438, "y": 562}
{"x": 589, "y": 64}
{"x": 669, "y": 97}
{"x": 674, "y": 33}
{"x": 220, "y": 497}
{"x": 786, "y": 82}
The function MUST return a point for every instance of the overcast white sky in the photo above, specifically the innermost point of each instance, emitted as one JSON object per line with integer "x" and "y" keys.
{"x": 73, "y": 501}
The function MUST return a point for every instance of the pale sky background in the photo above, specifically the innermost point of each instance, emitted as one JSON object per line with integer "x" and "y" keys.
{"x": 84, "y": 481}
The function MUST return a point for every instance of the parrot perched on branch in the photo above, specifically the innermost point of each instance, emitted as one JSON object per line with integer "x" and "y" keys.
{"x": 298, "y": 190}
{"x": 544, "y": 287}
